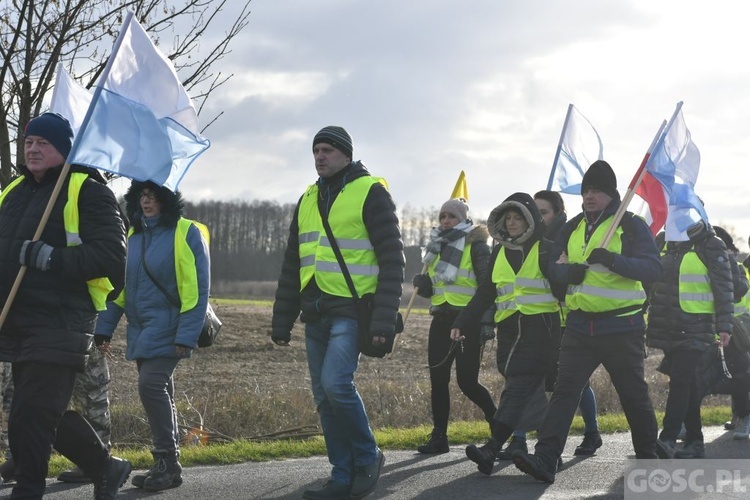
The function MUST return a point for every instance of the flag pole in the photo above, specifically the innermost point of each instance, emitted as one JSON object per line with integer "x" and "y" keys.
{"x": 63, "y": 173}
{"x": 559, "y": 147}
{"x": 634, "y": 183}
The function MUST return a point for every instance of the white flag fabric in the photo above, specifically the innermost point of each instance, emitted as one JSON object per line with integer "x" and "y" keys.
{"x": 141, "y": 124}
{"x": 70, "y": 99}
{"x": 675, "y": 163}
{"x": 580, "y": 146}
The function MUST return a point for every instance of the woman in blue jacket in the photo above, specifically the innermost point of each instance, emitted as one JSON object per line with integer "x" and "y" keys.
{"x": 165, "y": 298}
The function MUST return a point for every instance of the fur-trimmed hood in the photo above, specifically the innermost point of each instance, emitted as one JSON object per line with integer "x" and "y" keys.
{"x": 525, "y": 204}
{"x": 172, "y": 204}
{"x": 480, "y": 233}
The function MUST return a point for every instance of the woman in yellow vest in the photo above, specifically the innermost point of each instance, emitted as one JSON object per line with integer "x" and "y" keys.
{"x": 165, "y": 298}
{"x": 690, "y": 306}
{"x": 457, "y": 259}
{"x": 527, "y": 314}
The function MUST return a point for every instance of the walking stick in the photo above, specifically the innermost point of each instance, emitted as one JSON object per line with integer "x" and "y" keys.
{"x": 406, "y": 313}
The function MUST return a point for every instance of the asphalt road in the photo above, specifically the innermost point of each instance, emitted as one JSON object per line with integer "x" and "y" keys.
{"x": 408, "y": 475}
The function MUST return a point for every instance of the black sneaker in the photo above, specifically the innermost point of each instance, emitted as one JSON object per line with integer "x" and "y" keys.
{"x": 731, "y": 424}
{"x": 74, "y": 475}
{"x": 592, "y": 441}
{"x": 366, "y": 477}
{"x": 483, "y": 456}
{"x": 516, "y": 443}
{"x": 330, "y": 490}
{"x": 8, "y": 470}
{"x": 534, "y": 466}
{"x": 665, "y": 448}
{"x": 693, "y": 449}
{"x": 438, "y": 443}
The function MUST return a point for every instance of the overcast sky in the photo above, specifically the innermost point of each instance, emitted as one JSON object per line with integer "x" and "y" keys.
{"x": 428, "y": 88}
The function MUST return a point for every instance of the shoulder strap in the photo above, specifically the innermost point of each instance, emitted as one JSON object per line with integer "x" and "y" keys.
{"x": 174, "y": 301}
{"x": 339, "y": 257}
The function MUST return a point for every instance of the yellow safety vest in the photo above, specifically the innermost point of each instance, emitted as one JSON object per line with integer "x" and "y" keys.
{"x": 345, "y": 218}
{"x": 602, "y": 290}
{"x": 528, "y": 291}
{"x": 696, "y": 296}
{"x": 460, "y": 292}
{"x": 98, "y": 288}
{"x": 186, "y": 273}
{"x": 743, "y": 306}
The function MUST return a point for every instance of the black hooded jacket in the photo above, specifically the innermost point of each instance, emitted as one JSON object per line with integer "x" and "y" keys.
{"x": 526, "y": 344}
{"x": 379, "y": 216}
{"x": 52, "y": 317}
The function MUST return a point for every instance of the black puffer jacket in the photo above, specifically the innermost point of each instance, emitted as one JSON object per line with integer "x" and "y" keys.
{"x": 52, "y": 317}
{"x": 671, "y": 328}
{"x": 526, "y": 344}
{"x": 379, "y": 216}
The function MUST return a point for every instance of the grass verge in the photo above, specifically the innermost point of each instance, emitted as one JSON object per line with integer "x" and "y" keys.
{"x": 241, "y": 451}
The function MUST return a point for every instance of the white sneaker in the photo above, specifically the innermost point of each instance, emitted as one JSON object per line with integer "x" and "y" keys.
{"x": 742, "y": 431}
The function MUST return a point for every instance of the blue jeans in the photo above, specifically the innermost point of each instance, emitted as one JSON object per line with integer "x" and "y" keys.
{"x": 332, "y": 358}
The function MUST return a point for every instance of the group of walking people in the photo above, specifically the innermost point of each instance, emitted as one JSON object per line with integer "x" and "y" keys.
{"x": 565, "y": 297}
{"x": 79, "y": 270}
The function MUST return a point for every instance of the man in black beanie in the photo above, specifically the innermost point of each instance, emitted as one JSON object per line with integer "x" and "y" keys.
{"x": 48, "y": 332}
{"x": 605, "y": 324}
{"x": 362, "y": 219}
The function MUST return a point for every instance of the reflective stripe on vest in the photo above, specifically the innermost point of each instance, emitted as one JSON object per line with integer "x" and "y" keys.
{"x": 460, "y": 292}
{"x": 743, "y": 306}
{"x": 98, "y": 288}
{"x": 528, "y": 291}
{"x": 696, "y": 296}
{"x": 186, "y": 274}
{"x": 601, "y": 290}
{"x": 345, "y": 218}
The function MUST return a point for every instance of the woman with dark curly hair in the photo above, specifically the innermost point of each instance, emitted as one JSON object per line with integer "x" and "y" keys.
{"x": 165, "y": 298}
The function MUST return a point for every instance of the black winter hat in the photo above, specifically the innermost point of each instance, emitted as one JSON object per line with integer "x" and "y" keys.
{"x": 53, "y": 127}
{"x": 726, "y": 238}
{"x": 336, "y": 137}
{"x": 600, "y": 176}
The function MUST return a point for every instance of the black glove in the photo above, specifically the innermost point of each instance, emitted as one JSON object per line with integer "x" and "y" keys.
{"x": 281, "y": 336}
{"x": 576, "y": 272}
{"x": 423, "y": 283}
{"x": 602, "y": 256}
{"x": 487, "y": 332}
{"x": 36, "y": 254}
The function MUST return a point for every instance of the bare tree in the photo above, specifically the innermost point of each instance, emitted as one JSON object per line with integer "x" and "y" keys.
{"x": 36, "y": 35}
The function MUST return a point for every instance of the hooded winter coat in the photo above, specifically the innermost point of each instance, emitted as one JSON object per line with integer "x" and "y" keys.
{"x": 526, "y": 344}
{"x": 52, "y": 316}
{"x": 671, "y": 328}
{"x": 381, "y": 222}
{"x": 155, "y": 323}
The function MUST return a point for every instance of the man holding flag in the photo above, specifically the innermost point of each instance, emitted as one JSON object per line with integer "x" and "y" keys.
{"x": 605, "y": 325}
{"x": 71, "y": 267}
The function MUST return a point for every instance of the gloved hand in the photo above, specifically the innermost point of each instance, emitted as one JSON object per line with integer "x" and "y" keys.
{"x": 281, "y": 336}
{"x": 487, "y": 332}
{"x": 576, "y": 273}
{"x": 602, "y": 256}
{"x": 424, "y": 285}
{"x": 36, "y": 254}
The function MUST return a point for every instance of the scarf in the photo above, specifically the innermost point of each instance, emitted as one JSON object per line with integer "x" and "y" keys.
{"x": 449, "y": 246}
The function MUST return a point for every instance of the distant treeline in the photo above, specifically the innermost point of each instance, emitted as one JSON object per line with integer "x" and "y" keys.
{"x": 248, "y": 238}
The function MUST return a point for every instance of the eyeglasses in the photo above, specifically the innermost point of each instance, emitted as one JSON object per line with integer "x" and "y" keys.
{"x": 148, "y": 194}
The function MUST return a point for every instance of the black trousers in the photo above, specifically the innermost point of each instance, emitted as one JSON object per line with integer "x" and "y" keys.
{"x": 683, "y": 401}
{"x": 41, "y": 393}
{"x": 622, "y": 356}
{"x": 467, "y": 370}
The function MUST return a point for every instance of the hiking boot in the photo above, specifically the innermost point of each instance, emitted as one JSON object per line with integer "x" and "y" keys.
{"x": 74, "y": 475}
{"x": 330, "y": 490}
{"x": 366, "y": 477}
{"x": 166, "y": 472}
{"x": 693, "y": 449}
{"x": 592, "y": 441}
{"x": 8, "y": 470}
{"x": 438, "y": 443}
{"x": 742, "y": 429}
{"x": 516, "y": 443}
{"x": 115, "y": 474}
{"x": 534, "y": 466}
{"x": 483, "y": 456}
{"x": 665, "y": 448}
{"x": 731, "y": 424}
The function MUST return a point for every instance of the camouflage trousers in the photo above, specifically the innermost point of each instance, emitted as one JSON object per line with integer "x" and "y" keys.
{"x": 6, "y": 390}
{"x": 91, "y": 395}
